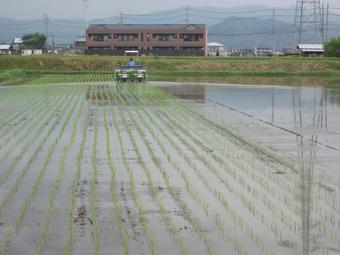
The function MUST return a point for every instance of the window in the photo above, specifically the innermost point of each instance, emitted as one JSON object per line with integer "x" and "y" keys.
{"x": 100, "y": 37}
{"x": 191, "y": 37}
{"x": 164, "y": 48}
{"x": 126, "y": 37}
{"x": 164, "y": 37}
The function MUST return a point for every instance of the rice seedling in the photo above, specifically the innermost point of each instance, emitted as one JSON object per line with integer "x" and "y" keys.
{"x": 117, "y": 209}
{"x": 22, "y": 131}
{"x": 52, "y": 206}
{"x": 93, "y": 183}
{"x": 135, "y": 197}
{"x": 25, "y": 203}
{"x": 194, "y": 222}
{"x": 70, "y": 224}
{"x": 15, "y": 186}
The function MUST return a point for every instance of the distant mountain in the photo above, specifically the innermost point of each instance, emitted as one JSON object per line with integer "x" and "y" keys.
{"x": 242, "y": 26}
{"x": 251, "y": 32}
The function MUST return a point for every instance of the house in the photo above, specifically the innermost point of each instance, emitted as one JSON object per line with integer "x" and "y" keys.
{"x": 311, "y": 50}
{"x": 17, "y": 43}
{"x": 80, "y": 45}
{"x": 5, "y": 49}
{"x": 156, "y": 39}
{"x": 216, "y": 49}
{"x": 264, "y": 52}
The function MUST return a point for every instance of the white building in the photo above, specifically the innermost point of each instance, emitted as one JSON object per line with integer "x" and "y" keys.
{"x": 37, "y": 52}
{"x": 311, "y": 50}
{"x": 26, "y": 52}
{"x": 216, "y": 49}
{"x": 31, "y": 52}
{"x": 5, "y": 49}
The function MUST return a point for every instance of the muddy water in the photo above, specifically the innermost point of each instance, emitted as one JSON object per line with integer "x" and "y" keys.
{"x": 177, "y": 178}
{"x": 276, "y": 115}
{"x": 301, "y": 123}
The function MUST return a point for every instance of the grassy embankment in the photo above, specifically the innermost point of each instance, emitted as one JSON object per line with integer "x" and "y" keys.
{"x": 290, "y": 71}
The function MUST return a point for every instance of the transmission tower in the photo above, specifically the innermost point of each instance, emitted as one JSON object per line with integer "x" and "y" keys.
{"x": 308, "y": 21}
{"x": 85, "y": 23}
{"x": 46, "y": 28}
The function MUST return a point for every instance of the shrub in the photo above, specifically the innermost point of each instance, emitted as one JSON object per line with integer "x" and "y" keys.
{"x": 332, "y": 48}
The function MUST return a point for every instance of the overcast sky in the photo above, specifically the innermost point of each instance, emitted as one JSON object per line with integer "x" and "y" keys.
{"x": 27, "y": 9}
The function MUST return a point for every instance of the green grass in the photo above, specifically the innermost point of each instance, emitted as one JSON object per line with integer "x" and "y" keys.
{"x": 285, "y": 70}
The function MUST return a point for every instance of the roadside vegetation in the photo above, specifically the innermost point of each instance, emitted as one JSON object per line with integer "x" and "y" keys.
{"x": 279, "y": 70}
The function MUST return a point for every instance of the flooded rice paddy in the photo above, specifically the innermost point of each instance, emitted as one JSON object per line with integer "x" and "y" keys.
{"x": 169, "y": 169}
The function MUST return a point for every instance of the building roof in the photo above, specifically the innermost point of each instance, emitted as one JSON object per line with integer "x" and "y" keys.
{"x": 311, "y": 47}
{"x": 215, "y": 44}
{"x": 5, "y": 47}
{"x": 17, "y": 40}
{"x": 189, "y": 27}
{"x": 81, "y": 39}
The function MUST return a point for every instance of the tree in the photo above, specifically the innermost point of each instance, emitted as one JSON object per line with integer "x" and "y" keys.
{"x": 332, "y": 47}
{"x": 34, "y": 41}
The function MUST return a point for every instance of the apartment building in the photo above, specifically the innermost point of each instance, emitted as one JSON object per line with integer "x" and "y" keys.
{"x": 156, "y": 39}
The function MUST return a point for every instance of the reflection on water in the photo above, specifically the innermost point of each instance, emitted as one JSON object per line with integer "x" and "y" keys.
{"x": 197, "y": 93}
{"x": 306, "y": 160}
{"x": 303, "y": 121}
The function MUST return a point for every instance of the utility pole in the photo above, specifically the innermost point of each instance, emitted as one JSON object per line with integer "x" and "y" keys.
{"x": 323, "y": 23}
{"x": 121, "y": 17}
{"x": 274, "y": 33}
{"x": 327, "y": 22}
{"x": 85, "y": 23}
{"x": 53, "y": 43}
{"x": 187, "y": 15}
{"x": 46, "y": 21}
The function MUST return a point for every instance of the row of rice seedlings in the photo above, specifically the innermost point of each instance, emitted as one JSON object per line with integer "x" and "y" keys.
{"x": 226, "y": 233}
{"x": 237, "y": 175}
{"x": 233, "y": 156}
{"x": 34, "y": 102}
{"x": 286, "y": 220}
{"x": 286, "y": 185}
{"x": 72, "y": 78}
{"x": 193, "y": 193}
{"x": 40, "y": 244}
{"x": 272, "y": 189}
{"x": 6, "y": 198}
{"x": 242, "y": 190}
{"x": 21, "y": 131}
{"x": 25, "y": 114}
{"x": 188, "y": 215}
{"x": 70, "y": 221}
{"x": 11, "y": 232}
{"x": 135, "y": 197}
{"x": 93, "y": 183}
{"x": 321, "y": 210}
{"x": 8, "y": 171}
{"x": 117, "y": 209}
{"x": 243, "y": 182}
{"x": 210, "y": 165}
{"x": 153, "y": 192}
